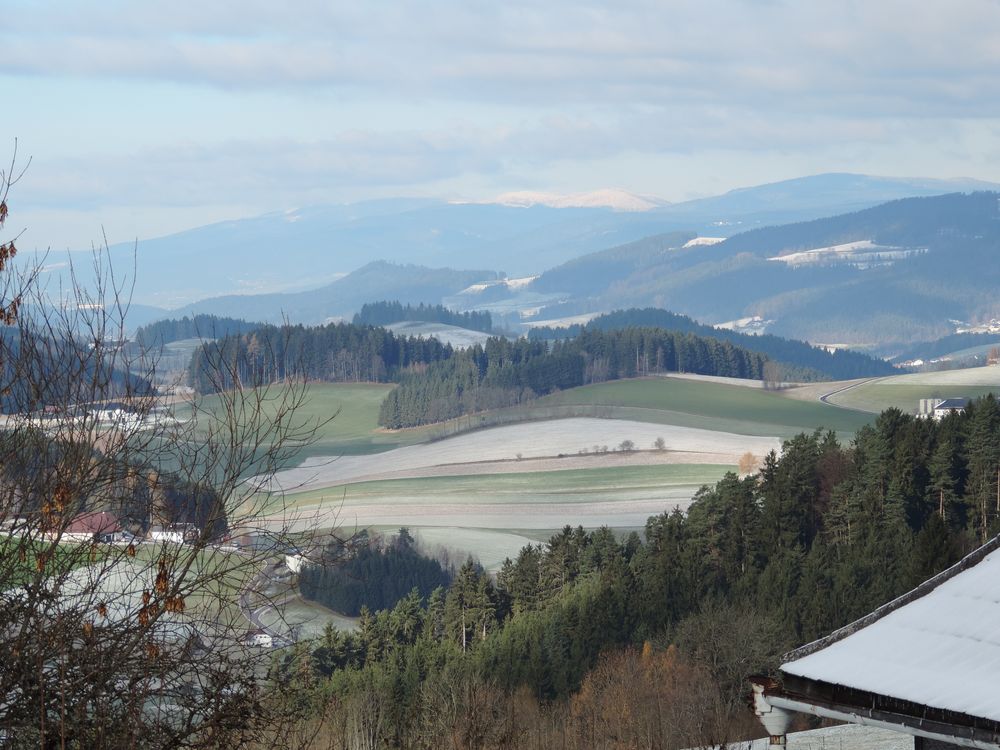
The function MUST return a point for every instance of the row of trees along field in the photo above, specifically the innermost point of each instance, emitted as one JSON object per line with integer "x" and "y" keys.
{"x": 386, "y": 313}
{"x": 580, "y": 643}
{"x": 505, "y": 373}
{"x": 799, "y": 360}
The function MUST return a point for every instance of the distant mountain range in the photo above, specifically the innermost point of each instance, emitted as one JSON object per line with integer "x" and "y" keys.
{"x": 521, "y": 234}
{"x": 880, "y": 277}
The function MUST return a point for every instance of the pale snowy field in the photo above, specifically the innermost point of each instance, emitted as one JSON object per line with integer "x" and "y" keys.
{"x": 523, "y": 441}
{"x": 742, "y": 382}
{"x": 460, "y": 338}
{"x": 969, "y": 376}
{"x": 469, "y": 519}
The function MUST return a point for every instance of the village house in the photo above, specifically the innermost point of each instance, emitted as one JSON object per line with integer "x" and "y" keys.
{"x": 939, "y": 408}
{"x": 174, "y": 533}
{"x": 99, "y": 526}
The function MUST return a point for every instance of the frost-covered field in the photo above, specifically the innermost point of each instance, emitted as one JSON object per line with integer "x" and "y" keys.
{"x": 905, "y": 391}
{"x": 489, "y": 547}
{"x": 492, "y": 513}
{"x": 524, "y": 441}
{"x": 968, "y": 376}
{"x": 458, "y": 337}
{"x": 742, "y": 382}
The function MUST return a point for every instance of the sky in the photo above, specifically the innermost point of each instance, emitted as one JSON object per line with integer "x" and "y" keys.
{"x": 141, "y": 119}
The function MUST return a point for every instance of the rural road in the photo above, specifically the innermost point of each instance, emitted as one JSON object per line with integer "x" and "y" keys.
{"x": 826, "y": 396}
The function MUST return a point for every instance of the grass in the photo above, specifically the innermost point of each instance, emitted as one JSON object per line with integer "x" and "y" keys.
{"x": 875, "y": 397}
{"x": 22, "y": 557}
{"x": 348, "y": 417}
{"x": 574, "y": 485}
{"x": 349, "y": 412}
{"x": 491, "y": 517}
{"x": 715, "y": 406}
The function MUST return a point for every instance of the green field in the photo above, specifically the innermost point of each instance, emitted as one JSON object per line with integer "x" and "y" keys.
{"x": 347, "y": 415}
{"x": 877, "y": 396}
{"x": 714, "y": 406}
{"x": 574, "y": 485}
{"x": 492, "y": 516}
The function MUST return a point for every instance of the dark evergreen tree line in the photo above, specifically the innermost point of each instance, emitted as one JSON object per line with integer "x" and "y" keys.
{"x": 386, "y": 313}
{"x": 200, "y": 326}
{"x": 373, "y": 575}
{"x": 338, "y": 352}
{"x": 801, "y": 360}
{"x": 504, "y": 373}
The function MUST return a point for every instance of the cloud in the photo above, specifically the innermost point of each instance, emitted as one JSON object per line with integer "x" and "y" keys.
{"x": 889, "y": 58}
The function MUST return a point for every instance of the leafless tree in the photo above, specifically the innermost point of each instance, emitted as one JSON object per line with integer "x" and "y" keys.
{"x": 109, "y": 637}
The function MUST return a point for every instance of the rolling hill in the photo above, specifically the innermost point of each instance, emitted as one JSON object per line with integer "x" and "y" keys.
{"x": 305, "y": 248}
{"x": 893, "y": 273}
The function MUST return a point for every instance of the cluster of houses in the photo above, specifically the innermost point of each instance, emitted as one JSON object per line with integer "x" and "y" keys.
{"x": 104, "y": 526}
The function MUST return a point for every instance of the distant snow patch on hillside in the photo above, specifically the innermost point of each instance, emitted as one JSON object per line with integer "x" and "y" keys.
{"x": 613, "y": 198}
{"x": 460, "y": 338}
{"x": 860, "y": 254}
{"x": 569, "y": 320}
{"x": 511, "y": 284}
{"x": 754, "y": 326}
{"x": 699, "y": 241}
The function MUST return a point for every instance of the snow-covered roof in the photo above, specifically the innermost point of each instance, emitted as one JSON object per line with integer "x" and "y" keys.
{"x": 938, "y": 646}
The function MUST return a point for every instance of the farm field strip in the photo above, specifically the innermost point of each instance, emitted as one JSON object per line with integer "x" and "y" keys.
{"x": 602, "y": 483}
{"x": 876, "y": 396}
{"x": 525, "y": 440}
{"x": 969, "y": 376}
{"x": 721, "y": 404}
{"x": 493, "y": 516}
{"x": 616, "y": 512}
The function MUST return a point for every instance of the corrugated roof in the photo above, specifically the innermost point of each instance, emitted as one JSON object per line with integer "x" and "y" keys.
{"x": 938, "y": 646}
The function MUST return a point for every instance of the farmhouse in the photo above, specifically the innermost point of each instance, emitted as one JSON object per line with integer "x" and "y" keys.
{"x": 926, "y": 664}
{"x": 939, "y": 408}
{"x": 258, "y": 638}
{"x": 102, "y": 526}
{"x": 174, "y": 533}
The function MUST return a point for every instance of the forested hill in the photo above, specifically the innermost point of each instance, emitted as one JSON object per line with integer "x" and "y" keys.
{"x": 822, "y": 535}
{"x": 387, "y": 313}
{"x": 337, "y": 352}
{"x": 198, "y": 326}
{"x": 438, "y": 382}
{"x": 798, "y": 356}
{"x": 505, "y": 373}
{"x": 907, "y": 222}
{"x": 883, "y": 277}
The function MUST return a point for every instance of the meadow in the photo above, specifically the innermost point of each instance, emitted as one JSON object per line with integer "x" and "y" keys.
{"x": 712, "y": 405}
{"x": 491, "y": 516}
{"x": 905, "y": 391}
